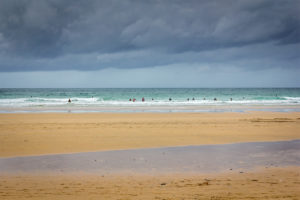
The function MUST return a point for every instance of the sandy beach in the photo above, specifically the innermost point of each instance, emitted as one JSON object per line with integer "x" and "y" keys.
{"x": 251, "y": 155}
{"x": 54, "y": 133}
{"x": 149, "y": 100}
{"x": 273, "y": 183}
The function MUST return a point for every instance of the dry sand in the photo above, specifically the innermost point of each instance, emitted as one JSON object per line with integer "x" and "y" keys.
{"x": 53, "y": 133}
{"x": 271, "y": 183}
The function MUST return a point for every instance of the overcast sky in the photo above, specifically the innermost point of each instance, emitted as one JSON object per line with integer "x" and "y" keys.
{"x": 123, "y": 43}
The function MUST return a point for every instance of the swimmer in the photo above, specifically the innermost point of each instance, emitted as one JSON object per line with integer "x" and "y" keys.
{"x": 69, "y": 101}
{"x": 170, "y": 99}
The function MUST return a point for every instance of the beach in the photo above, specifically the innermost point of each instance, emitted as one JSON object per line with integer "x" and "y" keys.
{"x": 282, "y": 183}
{"x": 149, "y": 100}
{"x": 230, "y": 155}
{"x": 54, "y": 133}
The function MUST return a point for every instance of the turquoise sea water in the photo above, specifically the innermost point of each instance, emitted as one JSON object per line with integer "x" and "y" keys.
{"x": 120, "y": 97}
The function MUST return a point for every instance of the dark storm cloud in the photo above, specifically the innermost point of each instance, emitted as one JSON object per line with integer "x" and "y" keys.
{"x": 92, "y": 34}
{"x": 34, "y": 28}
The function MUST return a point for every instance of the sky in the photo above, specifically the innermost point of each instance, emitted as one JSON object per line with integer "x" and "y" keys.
{"x": 157, "y": 43}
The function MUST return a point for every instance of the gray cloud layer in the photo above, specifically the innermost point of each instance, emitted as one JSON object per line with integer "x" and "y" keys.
{"x": 92, "y": 34}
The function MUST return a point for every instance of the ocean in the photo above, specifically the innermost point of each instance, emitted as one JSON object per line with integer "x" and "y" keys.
{"x": 155, "y": 99}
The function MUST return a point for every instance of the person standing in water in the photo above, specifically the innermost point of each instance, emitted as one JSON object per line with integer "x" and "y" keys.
{"x": 69, "y": 101}
{"x": 143, "y": 99}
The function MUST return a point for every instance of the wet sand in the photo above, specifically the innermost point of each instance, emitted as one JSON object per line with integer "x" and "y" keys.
{"x": 126, "y": 163}
{"x": 264, "y": 170}
{"x": 188, "y": 159}
{"x": 140, "y": 108}
{"x": 271, "y": 183}
{"x": 55, "y": 133}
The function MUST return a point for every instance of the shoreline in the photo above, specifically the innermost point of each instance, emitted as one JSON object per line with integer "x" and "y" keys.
{"x": 152, "y": 109}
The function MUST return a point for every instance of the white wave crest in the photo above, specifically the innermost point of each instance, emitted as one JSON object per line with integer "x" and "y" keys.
{"x": 79, "y": 101}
